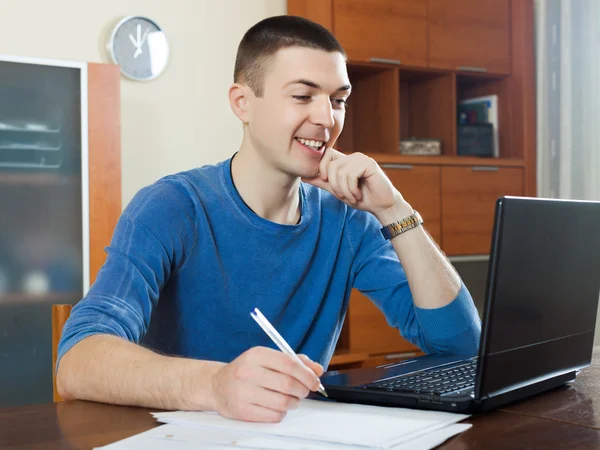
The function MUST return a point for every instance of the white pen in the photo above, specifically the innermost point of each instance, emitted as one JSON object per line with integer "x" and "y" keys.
{"x": 279, "y": 341}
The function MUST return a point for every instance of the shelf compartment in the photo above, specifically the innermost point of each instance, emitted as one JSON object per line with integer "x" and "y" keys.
{"x": 372, "y": 115}
{"x": 427, "y": 107}
{"x": 469, "y": 86}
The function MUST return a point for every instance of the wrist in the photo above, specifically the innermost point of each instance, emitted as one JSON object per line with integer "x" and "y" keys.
{"x": 198, "y": 392}
{"x": 400, "y": 210}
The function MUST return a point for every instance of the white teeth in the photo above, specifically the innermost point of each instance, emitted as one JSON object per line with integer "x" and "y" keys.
{"x": 311, "y": 143}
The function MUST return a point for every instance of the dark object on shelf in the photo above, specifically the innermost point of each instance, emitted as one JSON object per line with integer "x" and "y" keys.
{"x": 415, "y": 146}
{"x": 476, "y": 140}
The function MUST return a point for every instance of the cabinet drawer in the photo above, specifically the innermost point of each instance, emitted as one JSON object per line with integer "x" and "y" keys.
{"x": 382, "y": 29}
{"x": 420, "y": 186}
{"x": 470, "y": 34}
{"x": 469, "y": 197}
{"x": 369, "y": 331}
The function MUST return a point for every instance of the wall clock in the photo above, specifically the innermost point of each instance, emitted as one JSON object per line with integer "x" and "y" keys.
{"x": 139, "y": 46}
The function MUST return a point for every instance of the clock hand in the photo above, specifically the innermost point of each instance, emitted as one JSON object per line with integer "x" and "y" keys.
{"x": 139, "y": 32}
{"x": 144, "y": 37}
{"x": 133, "y": 41}
{"x": 137, "y": 52}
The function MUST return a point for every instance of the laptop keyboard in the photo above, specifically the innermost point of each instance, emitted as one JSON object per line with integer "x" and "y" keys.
{"x": 436, "y": 381}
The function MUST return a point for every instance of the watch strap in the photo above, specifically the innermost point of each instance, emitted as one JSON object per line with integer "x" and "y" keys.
{"x": 402, "y": 226}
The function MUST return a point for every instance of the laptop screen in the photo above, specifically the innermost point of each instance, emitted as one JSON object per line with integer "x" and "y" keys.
{"x": 543, "y": 288}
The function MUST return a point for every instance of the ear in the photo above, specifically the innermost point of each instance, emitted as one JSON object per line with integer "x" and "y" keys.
{"x": 238, "y": 99}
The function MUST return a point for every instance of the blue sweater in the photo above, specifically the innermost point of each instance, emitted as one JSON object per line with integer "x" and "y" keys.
{"x": 189, "y": 260}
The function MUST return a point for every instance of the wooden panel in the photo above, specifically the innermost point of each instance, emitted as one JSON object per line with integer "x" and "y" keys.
{"x": 468, "y": 201}
{"x": 472, "y": 33}
{"x": 420, "y": 186}
{"x": 388, "y": 29}
{"x": 369, "y": 331}
{"x": 445, "y": 160}
{"x": 60, "y": 314}
{"x": 104, "y": 158}
{"x": 373, "y": 112}
{"x": 428, "y": 108}
{"x": 320, "y": 11}
{"x": 523, "y": 88}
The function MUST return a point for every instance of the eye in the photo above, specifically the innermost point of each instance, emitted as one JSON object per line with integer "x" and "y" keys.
{"x": 302, "y": 98}
{"x": 339, "y": 102}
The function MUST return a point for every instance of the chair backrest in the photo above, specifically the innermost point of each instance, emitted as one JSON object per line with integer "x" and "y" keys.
{"x": 60, "y": 314}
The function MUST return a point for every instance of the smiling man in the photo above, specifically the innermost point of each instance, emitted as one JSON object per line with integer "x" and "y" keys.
{"x": 288, "y": 225}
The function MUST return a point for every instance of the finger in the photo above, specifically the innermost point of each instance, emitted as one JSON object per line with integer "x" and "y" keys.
{"x": 275, "y": 400}
{"x": 257, "y": 413}
{"x": 345, "y": 181}
{"x": 314, "y": 366}
{"x": 318, "y": 182}
{"x": 278, "y": 382}
{"x": 333, "y": 178}
{"x": 280, "y": 362}
{"x": 353, "y": 182}
{"x": 328, "y": 156}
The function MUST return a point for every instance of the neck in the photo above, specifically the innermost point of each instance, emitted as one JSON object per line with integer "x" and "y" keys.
{"x": 271, "y": 194}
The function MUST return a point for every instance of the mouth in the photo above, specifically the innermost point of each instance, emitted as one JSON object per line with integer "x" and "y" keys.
{"x": 313, "y": 145}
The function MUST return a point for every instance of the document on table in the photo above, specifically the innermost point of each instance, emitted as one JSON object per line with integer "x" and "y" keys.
{"x": 314, "y": 424}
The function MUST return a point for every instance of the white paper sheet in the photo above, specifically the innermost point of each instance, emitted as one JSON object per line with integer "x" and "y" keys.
{"x": 333, "y": 423}
{"x": 178, "y": 437}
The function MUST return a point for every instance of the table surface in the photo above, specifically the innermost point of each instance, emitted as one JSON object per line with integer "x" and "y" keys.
{"x": 567, "y": 417}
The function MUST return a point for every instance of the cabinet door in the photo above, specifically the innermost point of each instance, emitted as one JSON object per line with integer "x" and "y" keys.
{"x": 469, "y": 197}
{"x": 369, "y": 331}
{"x": 470, "y": 34}
{"x": 383, "y": 29}
{"x": 420, "y": 186}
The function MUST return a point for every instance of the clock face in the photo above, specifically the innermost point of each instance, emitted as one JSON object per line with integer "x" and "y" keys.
{"x": 140, "y": 47}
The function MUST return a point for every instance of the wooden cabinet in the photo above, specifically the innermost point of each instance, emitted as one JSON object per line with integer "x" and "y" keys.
{"x": 420, "y": 186}
{"x": 470, "y": 34}
{"x": 393, "y": 30}
{"x": 469, "y": 197}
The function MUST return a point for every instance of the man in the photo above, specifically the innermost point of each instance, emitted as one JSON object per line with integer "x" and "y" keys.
{"x": 195, "y": 252}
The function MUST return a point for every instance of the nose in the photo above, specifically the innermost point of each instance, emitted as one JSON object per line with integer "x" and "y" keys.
{"x": 322, "y": 112}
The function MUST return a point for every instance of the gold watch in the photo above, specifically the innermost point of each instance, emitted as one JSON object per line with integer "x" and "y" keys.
{"x": 408, "y": 223}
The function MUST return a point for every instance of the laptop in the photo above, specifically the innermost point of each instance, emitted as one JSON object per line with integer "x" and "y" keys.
{"x": 538, "y": 323}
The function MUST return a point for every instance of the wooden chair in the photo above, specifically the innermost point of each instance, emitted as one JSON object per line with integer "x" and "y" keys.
{"x": 60, "y": 314}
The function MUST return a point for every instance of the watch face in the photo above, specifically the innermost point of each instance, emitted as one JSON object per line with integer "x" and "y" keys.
{"x": 140, "y": 47}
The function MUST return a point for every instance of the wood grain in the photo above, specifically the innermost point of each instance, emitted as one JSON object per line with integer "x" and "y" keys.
{"x": 474, "y": 33}
{"x": 104, "y": 158}
{"x": 60, "y": 314}
{"x": 319, "y": 11}
{"x": 523, "y": 89}
{"x": 389, "y": 29}
{"x": 468, "y": 202}
{"x": 428, "y": 108}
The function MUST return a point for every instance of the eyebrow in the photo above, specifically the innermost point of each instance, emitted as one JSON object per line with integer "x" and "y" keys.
{"x": 314, "y": 85}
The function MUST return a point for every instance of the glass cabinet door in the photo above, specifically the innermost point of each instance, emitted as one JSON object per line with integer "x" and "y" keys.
{"x": 43, "y": 202}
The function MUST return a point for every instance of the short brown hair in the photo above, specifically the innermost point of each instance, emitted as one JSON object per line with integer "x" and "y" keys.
{"x": 268, "y": 36}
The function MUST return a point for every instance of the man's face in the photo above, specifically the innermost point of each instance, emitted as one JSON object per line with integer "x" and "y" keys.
{"x": 301, "y": 111}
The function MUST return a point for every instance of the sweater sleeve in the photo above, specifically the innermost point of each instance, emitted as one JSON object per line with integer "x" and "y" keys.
{"x": 148, "y": 245}
{"x": 454, "y": 328}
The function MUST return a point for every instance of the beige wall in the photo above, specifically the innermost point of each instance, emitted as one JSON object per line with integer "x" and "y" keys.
{"x": 175, "y": 122}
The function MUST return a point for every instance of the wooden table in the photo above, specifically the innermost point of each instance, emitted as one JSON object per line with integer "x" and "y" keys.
{"x": 565, "y": 418}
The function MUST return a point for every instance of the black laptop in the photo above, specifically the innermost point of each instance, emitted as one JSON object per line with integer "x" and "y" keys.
{"x": 538, "y": 323}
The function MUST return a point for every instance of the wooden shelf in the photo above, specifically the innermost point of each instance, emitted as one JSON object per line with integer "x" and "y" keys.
{"x": 383, "y": 158}
{"x": 37, "y": 179}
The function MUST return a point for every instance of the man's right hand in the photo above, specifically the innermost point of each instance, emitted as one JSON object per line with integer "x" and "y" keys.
{"x": 262, "y": 384}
